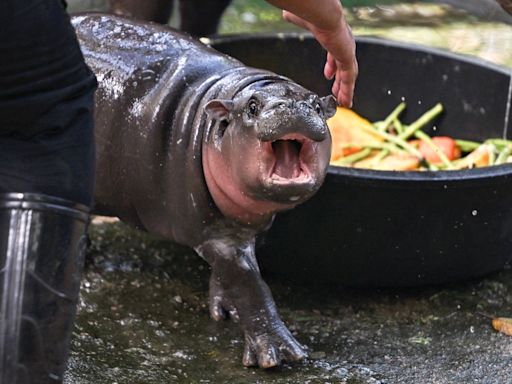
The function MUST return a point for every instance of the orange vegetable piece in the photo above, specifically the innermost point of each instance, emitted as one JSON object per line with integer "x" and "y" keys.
{"x": 347, "y": 127}
{"x": 503, "y": 325}
{"x": 445, "y": 144}
{"x": 391, "y": 163}
{"x": 480, "y": 157}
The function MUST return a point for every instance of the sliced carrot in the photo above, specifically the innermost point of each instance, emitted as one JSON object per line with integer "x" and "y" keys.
{"x": 503, "y": 325}
{"x": 445, "y": 144}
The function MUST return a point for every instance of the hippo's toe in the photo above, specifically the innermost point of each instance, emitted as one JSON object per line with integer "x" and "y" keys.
{"x": 221, "y": 307}
{"x": 271, "y": 349}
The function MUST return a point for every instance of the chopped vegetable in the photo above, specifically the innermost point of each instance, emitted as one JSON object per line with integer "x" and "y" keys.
{"x": 349, "y": 133}
{"x": 403, "y": 162}
{"x": 480, "y": 157}
{"x": 440, "y": 149}
{"x": 390, "y": 144}
{"x": 503, "y": 325}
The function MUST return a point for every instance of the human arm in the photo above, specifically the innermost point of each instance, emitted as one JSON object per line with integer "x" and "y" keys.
{"x": 506, "y": 5}
{"x": 325, "y": 20}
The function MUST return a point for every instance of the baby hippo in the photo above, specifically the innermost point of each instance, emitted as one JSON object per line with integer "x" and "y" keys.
{"x": 197, "y": 147}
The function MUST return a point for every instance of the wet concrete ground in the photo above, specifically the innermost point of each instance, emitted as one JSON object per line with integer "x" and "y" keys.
{"x": 143, "y": 319}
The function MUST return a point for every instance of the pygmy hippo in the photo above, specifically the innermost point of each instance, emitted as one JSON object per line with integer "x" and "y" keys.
{"x": 197, "y": 147}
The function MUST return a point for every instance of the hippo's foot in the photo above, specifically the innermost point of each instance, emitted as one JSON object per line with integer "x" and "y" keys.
{"x": 267, "y": 340}
{"x": 271, "y": 348}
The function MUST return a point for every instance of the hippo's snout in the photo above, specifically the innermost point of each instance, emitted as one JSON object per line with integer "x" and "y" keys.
{"x": 300, "y": 121}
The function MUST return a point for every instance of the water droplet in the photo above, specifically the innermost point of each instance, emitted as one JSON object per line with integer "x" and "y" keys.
{"x": 474, "y": 212}
{"x": 389, "y": 91}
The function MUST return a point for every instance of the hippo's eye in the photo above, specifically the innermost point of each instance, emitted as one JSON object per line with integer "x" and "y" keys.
{"x": 252, "y": 108}
{"x": 318, "y": 109}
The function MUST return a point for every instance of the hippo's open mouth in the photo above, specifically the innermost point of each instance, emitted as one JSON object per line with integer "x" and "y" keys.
{"x": 290, "y": 153}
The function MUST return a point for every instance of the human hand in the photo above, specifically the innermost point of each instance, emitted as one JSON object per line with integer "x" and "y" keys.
{"x": 506, "y": 5}
{"x": 341, "y": 60}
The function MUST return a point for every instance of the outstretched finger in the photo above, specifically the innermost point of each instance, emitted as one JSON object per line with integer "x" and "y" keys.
{"x": 294, "y": 19}
{"x": 330, "y": 67}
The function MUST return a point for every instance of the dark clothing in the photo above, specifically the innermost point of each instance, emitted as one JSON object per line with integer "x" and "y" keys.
{"x": 46, "y": 103}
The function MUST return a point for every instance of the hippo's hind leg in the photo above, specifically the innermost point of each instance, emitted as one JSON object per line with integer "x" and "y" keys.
{"x": 201, "y": 18}
{"x": 238, "y": 290}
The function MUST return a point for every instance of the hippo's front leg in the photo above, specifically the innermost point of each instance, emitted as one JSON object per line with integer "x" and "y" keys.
{"x": 237, "y": 289}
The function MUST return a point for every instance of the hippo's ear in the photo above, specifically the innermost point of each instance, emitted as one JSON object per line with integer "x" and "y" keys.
{"x": 329, "y": 105}
{"x": 219, "y": 109}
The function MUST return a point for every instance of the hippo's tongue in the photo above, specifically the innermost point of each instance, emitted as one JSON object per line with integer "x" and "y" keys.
{"x": 287, "y": 158}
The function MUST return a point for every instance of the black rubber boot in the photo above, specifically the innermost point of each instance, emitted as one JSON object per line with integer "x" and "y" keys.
{"x": 42, "y": 244}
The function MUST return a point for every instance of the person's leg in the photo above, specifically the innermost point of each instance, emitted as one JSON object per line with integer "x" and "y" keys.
{"x": 46, "y": 185}
{"x": 46, "y": 103}
{"x": 42, "y": 243}
{"x": 201, "y": 18}
{"x": 159, "y": 11}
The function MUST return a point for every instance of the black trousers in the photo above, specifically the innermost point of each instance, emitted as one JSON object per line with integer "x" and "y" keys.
{"x": 46, "y": 103}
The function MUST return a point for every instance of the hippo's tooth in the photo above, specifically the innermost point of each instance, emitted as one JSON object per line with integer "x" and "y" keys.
{"x": 287, "y": 163}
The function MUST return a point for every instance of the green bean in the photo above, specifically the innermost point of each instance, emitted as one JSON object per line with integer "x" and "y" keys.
{"x": 492, "y": 154}
{"x": 391, "y": 117}
{"x": 379, "y": 157}
{"x": 467, "y": 146}
{"x": 378, "y": 125}
{"x": 499, "y": 143}
{"x": 433, "y": 167}
{"x": 408, "y": 131}
{"x": 397, "y": 140}
{"x": 354, "y": 157}
{"x": 422, "y": 121}
{"x": 503, "y": 156}
{"x": 387, "y": 146}
{"x": 398, "y": 126}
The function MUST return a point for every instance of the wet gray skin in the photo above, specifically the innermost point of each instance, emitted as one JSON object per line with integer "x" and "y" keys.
{"x": 196, "y": 147}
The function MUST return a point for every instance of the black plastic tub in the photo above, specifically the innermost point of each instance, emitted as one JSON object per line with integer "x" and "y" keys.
{"x": 378, "y": 228}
